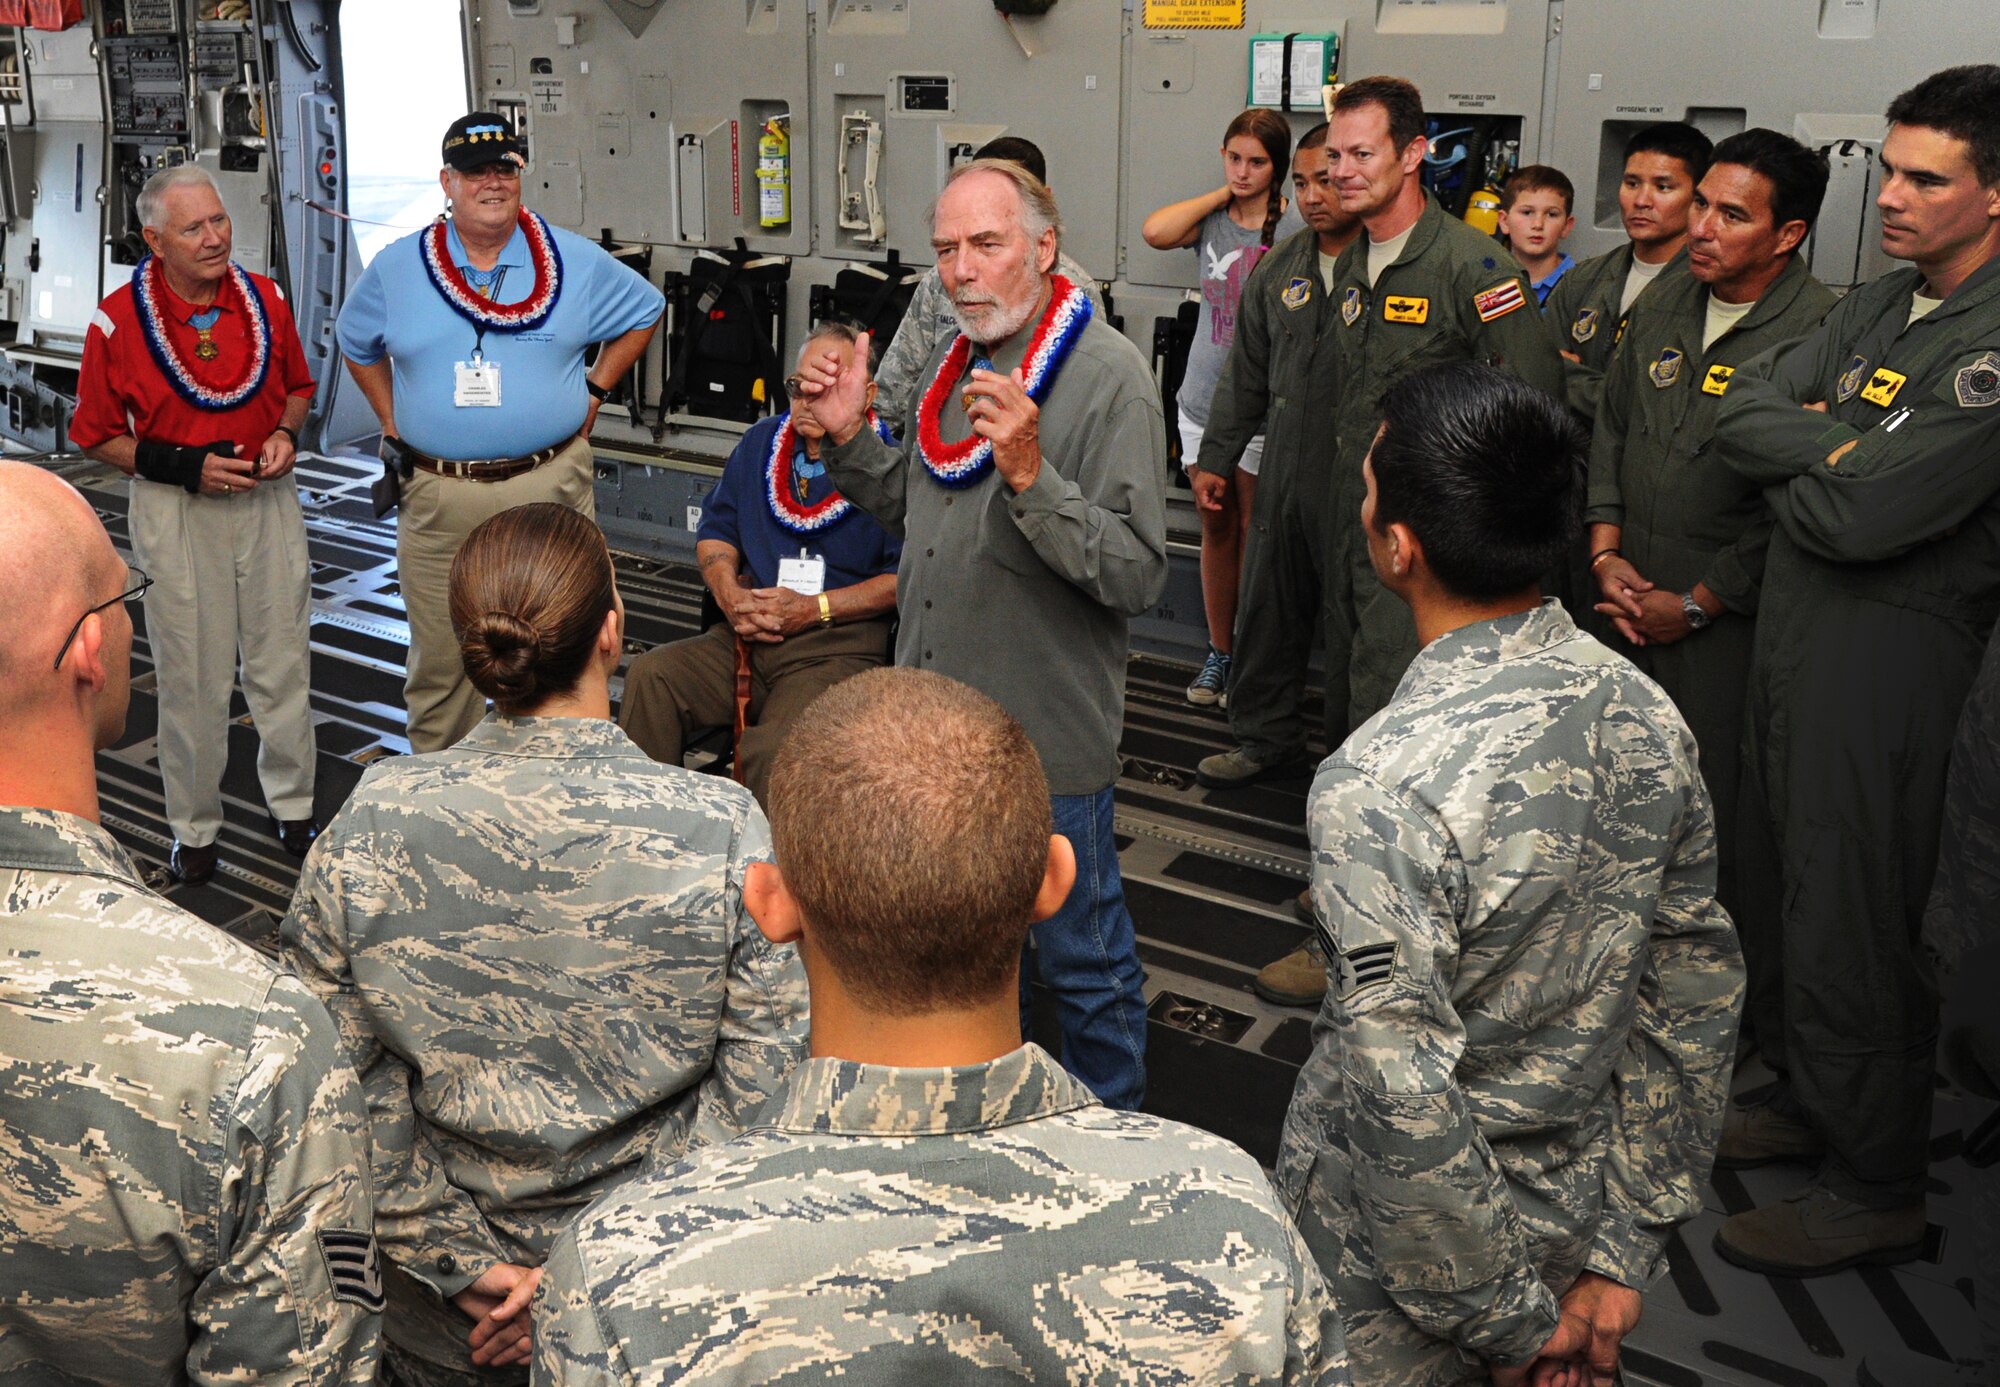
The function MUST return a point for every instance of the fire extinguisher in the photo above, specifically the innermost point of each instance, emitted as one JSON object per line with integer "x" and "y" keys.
{"x": 774, "y": 173}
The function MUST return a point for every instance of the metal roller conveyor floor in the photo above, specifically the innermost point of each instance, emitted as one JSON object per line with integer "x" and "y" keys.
{"x": 1210, "y": 877}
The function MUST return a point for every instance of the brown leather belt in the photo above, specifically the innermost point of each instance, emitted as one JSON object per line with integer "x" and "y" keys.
{"x": 482, "y": 469}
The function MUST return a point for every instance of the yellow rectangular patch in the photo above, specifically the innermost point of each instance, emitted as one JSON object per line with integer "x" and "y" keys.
{"x": 1398, "y": 308}
{"x": 1882, "y": 387}
{"x": 1717, "y": 379}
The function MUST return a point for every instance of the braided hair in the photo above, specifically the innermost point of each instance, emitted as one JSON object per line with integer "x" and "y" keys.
{"x": 1274, "y": 132}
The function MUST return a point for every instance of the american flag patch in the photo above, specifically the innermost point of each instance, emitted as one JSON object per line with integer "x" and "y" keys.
{"x": 1499, "y": 301}
{"x": 354, "y": 1265}
{"x": 1371, "y": 965}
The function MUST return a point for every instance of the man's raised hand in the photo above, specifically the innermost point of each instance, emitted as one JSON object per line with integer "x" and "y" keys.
{"x": 837, "y": 395}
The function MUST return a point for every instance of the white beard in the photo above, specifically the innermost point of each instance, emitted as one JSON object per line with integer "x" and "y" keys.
{"x": 989, "y": 324}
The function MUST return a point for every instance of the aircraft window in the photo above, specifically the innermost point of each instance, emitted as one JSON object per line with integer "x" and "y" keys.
{"x": 404, "y": 66}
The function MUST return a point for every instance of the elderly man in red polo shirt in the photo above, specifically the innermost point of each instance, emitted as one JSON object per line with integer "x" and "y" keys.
{"x": 195, "y": 383}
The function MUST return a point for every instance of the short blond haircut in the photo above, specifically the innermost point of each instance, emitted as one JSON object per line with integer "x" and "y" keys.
{"x": 911, "y": 820}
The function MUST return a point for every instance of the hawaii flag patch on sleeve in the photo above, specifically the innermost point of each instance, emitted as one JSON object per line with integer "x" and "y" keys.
{"x": 1499, "y": 301}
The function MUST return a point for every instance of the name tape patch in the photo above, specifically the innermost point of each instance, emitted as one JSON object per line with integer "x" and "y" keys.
{"x": 354, "y": 1265}
{"x": 1402, "y": 308}
{"x": 1499, "y": 301}
{"x": 1882, "y": 386}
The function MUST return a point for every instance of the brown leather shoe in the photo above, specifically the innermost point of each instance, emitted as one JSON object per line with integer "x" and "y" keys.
{"x": 1816, "y": 1232}
{"x": 1302, "y": 906}
{"x": 191, "y": 866}
{"x": 296, "y": 835}
{"x": 1759, "y": 1135}
{"x": 1296, "y": 980}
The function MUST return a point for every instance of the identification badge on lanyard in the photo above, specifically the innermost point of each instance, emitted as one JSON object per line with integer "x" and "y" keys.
{"x": 478, "y": 384}
{"x": 805, "y": 575}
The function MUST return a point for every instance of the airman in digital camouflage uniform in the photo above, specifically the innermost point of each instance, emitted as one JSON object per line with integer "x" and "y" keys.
{"x": 1875, "y": 441}
{"x": 1519, "y": 1072}
{"x": 183, "y": 1195}
{"x": 536, "y": 948}
{"x": 929, "y": 1199}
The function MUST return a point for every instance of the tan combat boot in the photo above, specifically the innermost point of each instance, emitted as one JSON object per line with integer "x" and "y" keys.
{"x": 1296, "y": 980}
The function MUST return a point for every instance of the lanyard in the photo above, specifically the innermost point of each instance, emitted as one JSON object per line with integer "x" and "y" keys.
{"x": 490, "y": 292}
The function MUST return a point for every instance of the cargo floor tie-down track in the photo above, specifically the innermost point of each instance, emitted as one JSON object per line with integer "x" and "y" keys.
{"x": 1210, "y": 875}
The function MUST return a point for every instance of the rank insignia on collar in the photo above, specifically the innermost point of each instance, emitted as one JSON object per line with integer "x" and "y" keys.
{"x": 1978, "y": 386}
{"x": 1405, "y": 308}
{"x": 1850, "y": 380}
{"x": 1716, "y": 381}
{"x": 1882, "y": 387}
{"x": 1296, "y": 293}
{"x": 1585, "y": 326}
{"x": 1350, "y": 306}
{"x": 1667, "y": 369}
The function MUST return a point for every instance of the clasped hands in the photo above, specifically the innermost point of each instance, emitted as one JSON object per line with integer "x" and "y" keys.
{"x": 768, "y": 615}
{"x": 500, "y": 1333}
{"x": 997, "y": 407}
{"x": 1597, "y": 1314}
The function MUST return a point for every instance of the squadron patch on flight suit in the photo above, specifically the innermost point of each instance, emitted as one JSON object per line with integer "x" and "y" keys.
{"x": 1717, "y": 380}
{"x": 1296, "y": 293}
{"x": 1882, "y": 386}
{"x": 1350, "y": 306}
{"x": 1585, "y": 326}
{"x": 1403, "y": 308}
{"x": 1360, "y": 970}
{"x": 1499, "y": 301}
{"x": 1850, "y": 380}
{"x": 1977, "y": 386}
{"x": 1667, "y": 369}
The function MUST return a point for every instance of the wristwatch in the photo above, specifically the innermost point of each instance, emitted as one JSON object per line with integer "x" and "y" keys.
{"x": 825, "y": 611}
{"x": 1691, "y": 609}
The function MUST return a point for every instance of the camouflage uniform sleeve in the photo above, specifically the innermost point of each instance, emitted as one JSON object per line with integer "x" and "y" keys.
{"x": 1448, "y": 1241}
{"x": 424, "y": 1222}
{"x": 1317, "y": 1353}
{"x": 571, "y": 1347}
{"x": 1673, "y": 1079}
{"x": 296, "y": 1296}
{"x": 763, "y": 1031}
{"x": 900, "y": 375}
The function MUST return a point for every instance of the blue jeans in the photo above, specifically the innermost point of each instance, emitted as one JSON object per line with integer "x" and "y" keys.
{"x": 1086, "y": 956}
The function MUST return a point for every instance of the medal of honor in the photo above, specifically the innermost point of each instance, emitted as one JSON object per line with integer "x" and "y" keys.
{"x": 148, "y": 280}
{"x": 531, "y": 312}
{"x": 962, "y": 463}
{"x": 786, "y": 484}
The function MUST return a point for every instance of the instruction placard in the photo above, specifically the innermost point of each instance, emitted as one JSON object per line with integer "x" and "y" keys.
{"x": 1288, "y": 70}
{"x": 548, "y": 96}
{"x": 1194, "y": 14}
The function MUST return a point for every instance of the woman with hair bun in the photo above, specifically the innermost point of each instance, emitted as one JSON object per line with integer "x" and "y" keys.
{"x": 535, "y": 946}
{"x": 1229, "y": 229}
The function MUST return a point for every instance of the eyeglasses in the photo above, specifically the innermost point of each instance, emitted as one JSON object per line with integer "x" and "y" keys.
{"x": 136, "y": 584}
{"x": 795, "y": 386}
{"x": 505, "y": 173}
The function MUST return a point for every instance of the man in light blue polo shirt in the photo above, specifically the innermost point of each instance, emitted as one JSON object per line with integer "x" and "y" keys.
{"x": 478, "y": 375}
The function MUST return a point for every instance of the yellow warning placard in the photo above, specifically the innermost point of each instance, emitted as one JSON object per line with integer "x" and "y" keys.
{"x": 1194, "y": 14}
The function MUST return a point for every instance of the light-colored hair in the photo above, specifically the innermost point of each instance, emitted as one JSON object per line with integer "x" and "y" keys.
{"x": 912, "y": 827}
{"x": 1038, "y": 204}
{"x": 153, "y": 197}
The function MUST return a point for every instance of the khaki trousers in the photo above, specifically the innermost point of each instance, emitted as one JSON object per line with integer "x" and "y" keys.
{"x": 437, "y": 514}
{"x": 674, "y": 692}
{"x": 230, "y": 576}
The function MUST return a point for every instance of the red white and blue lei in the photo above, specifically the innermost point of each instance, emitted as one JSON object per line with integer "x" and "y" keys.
{"x": 147, "y": 281}
{"x": 530, "y": 312}
{"x": 778, "y": 482}
{"x": 962, "y": 463}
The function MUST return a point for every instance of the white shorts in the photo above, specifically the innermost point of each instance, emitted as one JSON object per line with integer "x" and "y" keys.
{"x": 1253, "y": 451}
